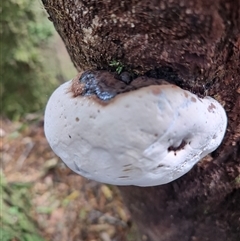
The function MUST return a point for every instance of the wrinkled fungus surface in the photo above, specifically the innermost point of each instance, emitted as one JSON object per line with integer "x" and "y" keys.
{"x": 142, "y": 136}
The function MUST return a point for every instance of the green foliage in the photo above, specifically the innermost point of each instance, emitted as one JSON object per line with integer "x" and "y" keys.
{"x": 16, "y": 223}
{"x": 117, "y": 65}
{"x": 25, "y": 79}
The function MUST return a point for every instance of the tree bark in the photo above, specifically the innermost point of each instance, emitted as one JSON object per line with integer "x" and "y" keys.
{"x": 196, "y": 45}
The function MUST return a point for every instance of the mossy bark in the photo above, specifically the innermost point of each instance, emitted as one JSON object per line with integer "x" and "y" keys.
{"x": 196, "y": 44}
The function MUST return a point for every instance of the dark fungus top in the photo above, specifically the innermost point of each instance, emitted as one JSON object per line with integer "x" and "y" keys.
{"x": 106, "y": 85}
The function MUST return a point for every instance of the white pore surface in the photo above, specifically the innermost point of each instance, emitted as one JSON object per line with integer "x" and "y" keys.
{"x": 129, "y": 140}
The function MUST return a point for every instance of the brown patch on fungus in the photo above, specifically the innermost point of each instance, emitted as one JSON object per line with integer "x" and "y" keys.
{"x": 193, "y": 99}
{"x": 106, "y": 85}
{"x": 77, "y": 88}
{"x": 156, "y": 90}
{"x": 211, "y": 108}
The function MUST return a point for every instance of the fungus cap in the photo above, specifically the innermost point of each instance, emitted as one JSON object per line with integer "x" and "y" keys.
{"x": 146, "y": 137}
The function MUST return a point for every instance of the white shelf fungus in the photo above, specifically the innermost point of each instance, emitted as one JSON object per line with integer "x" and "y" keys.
{"x": 145, "y": 137}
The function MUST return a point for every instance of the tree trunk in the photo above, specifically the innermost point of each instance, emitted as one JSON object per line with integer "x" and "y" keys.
{"x": 196, "y": 45}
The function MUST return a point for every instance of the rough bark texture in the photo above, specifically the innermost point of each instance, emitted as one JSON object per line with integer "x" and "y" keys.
{"x": 196, "y": 44}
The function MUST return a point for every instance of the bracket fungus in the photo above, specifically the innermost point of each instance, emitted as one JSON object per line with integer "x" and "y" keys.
{"x": 145, "y": 133}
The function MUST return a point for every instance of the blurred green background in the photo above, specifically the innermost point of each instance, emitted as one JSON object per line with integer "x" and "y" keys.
{"x": 33, "y": 58}
{"x": 33, "y": 63}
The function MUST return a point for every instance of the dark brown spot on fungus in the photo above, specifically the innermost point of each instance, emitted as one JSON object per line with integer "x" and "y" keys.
{"x": 178, "y": 148}
{"x": 77, "y": 119}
